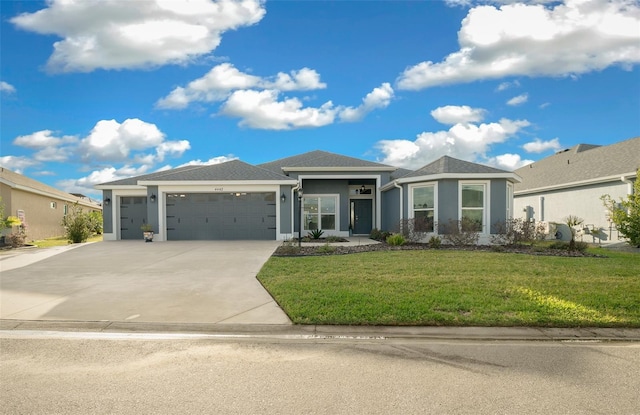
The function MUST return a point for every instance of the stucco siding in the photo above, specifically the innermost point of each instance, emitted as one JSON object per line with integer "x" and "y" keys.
{"x": 498, "y": 203}
{"x": 447, "y": 201}
{"x": 391, "y": 210}
{"x": 584, "y": 202}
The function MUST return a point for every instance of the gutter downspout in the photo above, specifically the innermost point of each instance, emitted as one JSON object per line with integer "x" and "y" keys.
{"x": 395, "y": 183}
{"x": 629, "y": 185}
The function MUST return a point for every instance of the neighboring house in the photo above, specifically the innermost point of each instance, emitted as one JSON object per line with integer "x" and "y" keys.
{"x": 236, "y": 200}
{"x": 41, "y": 207}
{"x": 572, "y": 181}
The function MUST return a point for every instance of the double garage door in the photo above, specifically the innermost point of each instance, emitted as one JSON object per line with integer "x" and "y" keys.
{"x": 221, "y": 216}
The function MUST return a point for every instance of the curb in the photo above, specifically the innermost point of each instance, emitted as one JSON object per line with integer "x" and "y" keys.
{"x": 321, "y": 332}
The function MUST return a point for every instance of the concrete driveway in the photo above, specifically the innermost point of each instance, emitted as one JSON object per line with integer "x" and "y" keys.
{"x": 173, "y": 282}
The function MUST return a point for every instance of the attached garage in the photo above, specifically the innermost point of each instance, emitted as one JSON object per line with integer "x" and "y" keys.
{"x": 221, "y": 216}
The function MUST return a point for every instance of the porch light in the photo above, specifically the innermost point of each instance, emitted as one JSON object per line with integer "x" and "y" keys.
{"x": 362, "y": 189}
{"x": 153, "y": 198}
{"x": 283, "y": 197}
{"x": 107, "y": 201}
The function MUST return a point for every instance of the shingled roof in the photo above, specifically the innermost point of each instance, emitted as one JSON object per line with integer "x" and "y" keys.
{"x": 450, "y": 165}
{"x": 581, "y": 163}
{"x": 319, "y": 159}
{"x": 234, "y": 170}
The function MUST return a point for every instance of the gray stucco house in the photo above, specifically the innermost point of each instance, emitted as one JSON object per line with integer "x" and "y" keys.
{"x": 339, "y": 194}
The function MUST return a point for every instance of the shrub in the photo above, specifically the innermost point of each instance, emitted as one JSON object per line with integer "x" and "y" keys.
{"x": 516, "y": 232}
{"x": 17, "y": 239}
{"x": 77, "y": 225}
{"x": 315, "y": 234}
{"x": 396, "y": 239}
{"x": 571, "y": 222}
{"x": 326, "y": 249}
{"x": 333, "y": 238}
{"x": 435, "y": 242}
{"x": 95, "y": 222}
{"x": 378, "y": 235}
{"x": 415, "y": 229}
{"x": 626, "y": 214}
{"x": 460, "y": 232}
{"x": 566, "y": 246}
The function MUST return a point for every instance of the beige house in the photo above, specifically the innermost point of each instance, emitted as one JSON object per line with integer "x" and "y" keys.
{"x": 572, "y": 181}
{"x": 40, "y": 206}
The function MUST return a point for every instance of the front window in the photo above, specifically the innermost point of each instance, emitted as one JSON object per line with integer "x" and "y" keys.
{"x": 319, "y": 212}
{"x": 424, "y": 208}
{"x": 473, "y": 205}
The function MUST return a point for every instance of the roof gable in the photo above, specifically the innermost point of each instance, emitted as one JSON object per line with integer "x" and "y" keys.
{"x": 319, "y": 159}
{"x": 450, "y": 165}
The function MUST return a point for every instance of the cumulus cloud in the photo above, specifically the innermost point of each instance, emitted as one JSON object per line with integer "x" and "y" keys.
{"x": 262, "y": 109}
{"x": 464, "y": 140}
{"x": 212, "y": 160}
{"x": 453, "y": 114}
{"x": 380, "y": 97}
{"x": 17, "y": 163}
{"x": 222, "y": 79}
{"x": 7, "y": 88}
{"x": 539, "y": 146}
{"x": 508, "y": 161}
{"x": 575, "y": 37}
{"x": 143, "y": 34}
{"x": 507, "y": 85}
{"x": 518, "y": 100}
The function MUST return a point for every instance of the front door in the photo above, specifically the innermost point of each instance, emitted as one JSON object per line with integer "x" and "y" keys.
{"x": 362, "y": 216}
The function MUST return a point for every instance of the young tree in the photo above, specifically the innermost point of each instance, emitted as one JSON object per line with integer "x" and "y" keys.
{"x": 626, "y": 213}
{"x": 77, "y": 225}
{"x": 571, "y": 222}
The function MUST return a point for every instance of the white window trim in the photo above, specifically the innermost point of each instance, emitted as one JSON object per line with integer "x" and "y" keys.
{"x": 411, "y": 214}
{"x": 486, "y": 214}
{"x": 337, "y": 214}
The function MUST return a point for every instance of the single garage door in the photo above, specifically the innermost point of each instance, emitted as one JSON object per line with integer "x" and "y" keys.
{"x": 133, "y": 213}
{"x": 221, "y": 216}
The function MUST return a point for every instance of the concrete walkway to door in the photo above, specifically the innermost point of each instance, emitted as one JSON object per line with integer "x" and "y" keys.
{"x": 210, "y": 282}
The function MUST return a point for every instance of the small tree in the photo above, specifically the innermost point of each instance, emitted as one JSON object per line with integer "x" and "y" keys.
{"x": 95, "y": 222}
{"x": 626, "y": 214}
{"x": 77, "y": 225}
{"x": 572, "y": 221}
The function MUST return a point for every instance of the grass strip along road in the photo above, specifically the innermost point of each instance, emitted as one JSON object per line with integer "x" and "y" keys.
{"x": 457, "y": 288}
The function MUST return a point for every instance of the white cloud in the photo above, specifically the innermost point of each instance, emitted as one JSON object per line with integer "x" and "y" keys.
{"x": 85, "y": 184}
{"x": 380, "y": 97}
{"x": 508, "y": 161}
{"x": 222, "y": 79}
{"x": 518, "y": 100}
{"x": 507, "y": 85}
{"x": 452, "y": 114}
{"x": 7, "y": 87}
{"x": 17, "y": 163}
{"x": 261, "y": 109}
{"x": 539, "y": 146}
{"x": 148, "y": 33}
{"x": 464, "y": 140}
{"x": 213, "y": 160}
{"x": 518, "y": 39}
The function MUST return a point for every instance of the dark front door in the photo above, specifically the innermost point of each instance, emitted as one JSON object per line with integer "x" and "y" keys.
{"x": 362, "y": 215}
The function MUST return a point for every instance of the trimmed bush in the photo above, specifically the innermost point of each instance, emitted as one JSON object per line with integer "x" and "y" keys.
{"x": 396, "y": 240}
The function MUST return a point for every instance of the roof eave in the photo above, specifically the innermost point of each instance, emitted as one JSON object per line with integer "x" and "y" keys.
{"x": 608, "y": 179}
{"x": 334, "y": 169}
{"x": 214, "y": 182}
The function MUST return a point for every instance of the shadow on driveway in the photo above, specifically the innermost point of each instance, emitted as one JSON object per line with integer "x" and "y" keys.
{"x": 174, "y": 282}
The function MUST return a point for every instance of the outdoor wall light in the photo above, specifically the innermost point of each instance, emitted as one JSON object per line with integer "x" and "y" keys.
{"x": 283, "y": 197}
{"x": 107, "y": 201}
{"x": 153, "y": 198}
{"x": 362, "y": 189}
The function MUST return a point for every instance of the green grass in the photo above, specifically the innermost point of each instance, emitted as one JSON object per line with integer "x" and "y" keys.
{"x": 457, "y": 288}
{"x": 61, "y": 241}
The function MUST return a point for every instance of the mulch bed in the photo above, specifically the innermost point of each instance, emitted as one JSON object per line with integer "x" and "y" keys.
{"x": 294, "y": 250}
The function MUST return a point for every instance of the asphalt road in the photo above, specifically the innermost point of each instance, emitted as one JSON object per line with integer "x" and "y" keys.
{"x": 99, "y": 373}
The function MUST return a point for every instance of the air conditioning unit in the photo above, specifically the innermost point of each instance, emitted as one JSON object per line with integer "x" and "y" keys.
{"x": 549, "y": 229}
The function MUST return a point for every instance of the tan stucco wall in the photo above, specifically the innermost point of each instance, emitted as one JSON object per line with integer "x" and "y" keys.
{"x": 42, "y": 220}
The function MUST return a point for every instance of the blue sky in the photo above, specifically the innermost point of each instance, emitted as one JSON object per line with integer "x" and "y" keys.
{"x": 97, "y": 91}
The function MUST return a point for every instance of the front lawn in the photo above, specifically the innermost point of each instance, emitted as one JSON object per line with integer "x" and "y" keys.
{"x": 461, "y": 288}
{"x": 61, "y": 241}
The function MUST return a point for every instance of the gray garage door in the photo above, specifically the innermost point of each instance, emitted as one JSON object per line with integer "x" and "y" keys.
{"x": 133, "y": 213}
{"x": 221, "y": 216}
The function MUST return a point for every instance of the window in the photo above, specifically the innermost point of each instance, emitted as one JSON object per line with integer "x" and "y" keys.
{"x": 472, "y": 204}
{"x": 54, "y": 205}
{"x": 66, "y": 210}
{"x": 319, "y": 212}
{"x": 424, "y": 208}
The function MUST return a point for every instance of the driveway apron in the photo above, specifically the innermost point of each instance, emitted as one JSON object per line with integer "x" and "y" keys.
{"x": 174, "y": 282}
